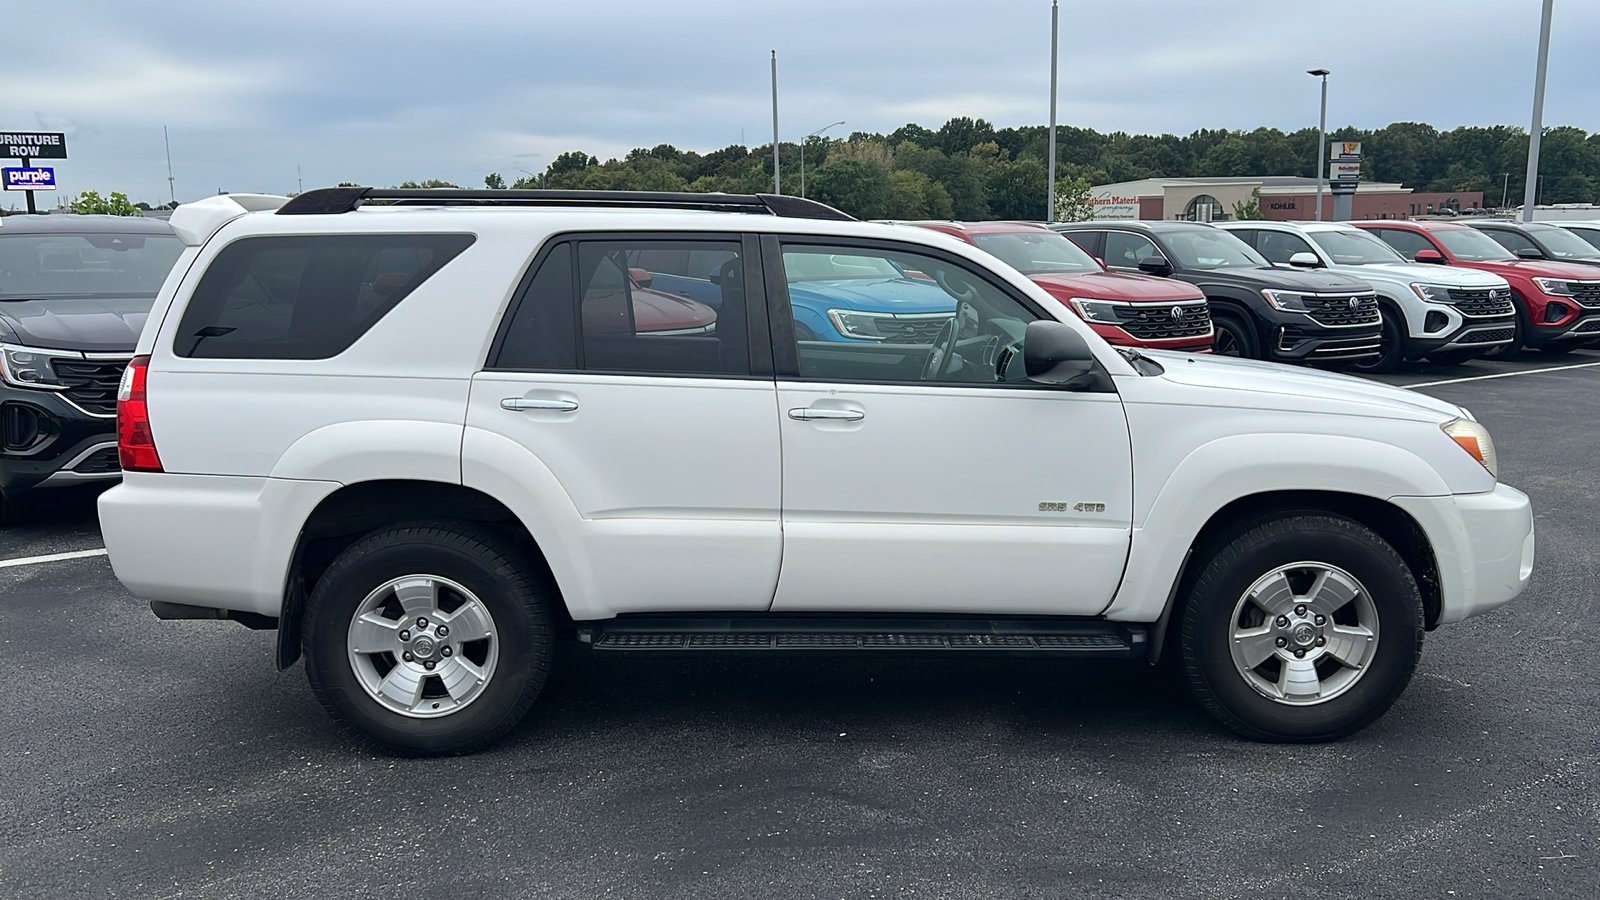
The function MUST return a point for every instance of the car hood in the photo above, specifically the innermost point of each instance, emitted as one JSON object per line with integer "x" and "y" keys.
{"x": 1256, "y": 384}
{"x": 656, "y": 311}
{"x": 1117, "y": 286}
{"x": 1448, "y": 276}
{"x": 899, "y": 295}
{"x": 1537, "y": 268}
{"x": 92, "y": 326}
{"x": 1320, "y": 282}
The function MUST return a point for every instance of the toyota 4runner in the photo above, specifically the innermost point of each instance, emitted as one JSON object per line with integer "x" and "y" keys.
{"x": 425, "y": 434}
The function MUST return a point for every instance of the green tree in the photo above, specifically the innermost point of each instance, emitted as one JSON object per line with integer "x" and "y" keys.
{"x": 1249, "y": 209}
{"x": 91, "y": 203}
{"x": 1072, "y": 200}
{"x": 858, "y": 188}
{"x": 1017, "y": 189}
{"x": 913, "y": 195}
{"x": 429, "y": 183}
{"x": 494, "y": 182}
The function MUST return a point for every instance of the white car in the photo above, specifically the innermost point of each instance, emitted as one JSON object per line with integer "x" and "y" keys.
{"x": 424, "y": 440}
{"x": 1443, "y": 313}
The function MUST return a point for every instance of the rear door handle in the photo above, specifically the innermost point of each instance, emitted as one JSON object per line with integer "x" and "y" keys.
{"x": 518, "y": 404}
{"x": 808, "y": 413}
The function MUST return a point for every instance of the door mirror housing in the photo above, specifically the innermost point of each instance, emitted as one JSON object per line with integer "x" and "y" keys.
{"x": 1429, "y": 256}
{"x": 1055, "y": 353}
{"x": 1155, "y": 265}
{"x": 640, "y": 277}
{"x": 1305, "y": 259}
{"x": 1529, "y": 253}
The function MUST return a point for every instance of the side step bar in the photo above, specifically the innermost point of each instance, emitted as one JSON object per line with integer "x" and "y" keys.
{"x": 768, "y": 631}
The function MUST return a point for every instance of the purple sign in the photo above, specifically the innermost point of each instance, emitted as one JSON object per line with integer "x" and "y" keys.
{"x": 30, "y": 178}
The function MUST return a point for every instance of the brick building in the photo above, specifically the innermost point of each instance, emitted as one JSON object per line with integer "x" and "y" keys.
{"x": 1282, "y": 197}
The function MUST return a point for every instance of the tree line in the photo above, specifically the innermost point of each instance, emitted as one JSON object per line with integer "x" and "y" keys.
{"x": 968, "y": 169}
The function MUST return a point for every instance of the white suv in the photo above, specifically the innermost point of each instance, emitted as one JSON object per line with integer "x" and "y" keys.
{"x": 425, "y": 439}
{"x": 1444, "y": 313}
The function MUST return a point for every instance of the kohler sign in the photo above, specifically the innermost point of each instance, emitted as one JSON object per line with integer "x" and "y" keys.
{"x": 34, "y": 145}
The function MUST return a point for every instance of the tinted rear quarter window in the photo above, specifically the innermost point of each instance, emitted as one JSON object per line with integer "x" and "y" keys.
{"x": 305, "y": 296}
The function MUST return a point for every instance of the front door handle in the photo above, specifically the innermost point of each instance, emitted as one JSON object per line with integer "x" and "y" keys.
{"x": 518, "y": 404}
{"x": 808, "y": 413}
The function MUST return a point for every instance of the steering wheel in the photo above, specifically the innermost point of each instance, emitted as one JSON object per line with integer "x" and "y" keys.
{"x": 944, "y": 343}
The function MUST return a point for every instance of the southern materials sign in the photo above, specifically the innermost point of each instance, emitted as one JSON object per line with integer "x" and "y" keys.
{"x": 32, "y": 178}
{"x": 34, "y": 145}
{"x": 1113, "y": 206}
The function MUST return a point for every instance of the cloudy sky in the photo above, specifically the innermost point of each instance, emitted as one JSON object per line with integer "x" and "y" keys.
{"x": 379, "y": 92}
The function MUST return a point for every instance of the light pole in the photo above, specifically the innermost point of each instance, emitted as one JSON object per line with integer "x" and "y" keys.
{"x": 1529, "y": 191}
{"x": 777, "y": 185}
{"x": 803, "y": 154}
{"x": 1050, "y": 200}
{"x": 1322, "y": 138}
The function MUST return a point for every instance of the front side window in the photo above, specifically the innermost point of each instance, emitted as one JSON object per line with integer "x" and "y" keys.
{"x": 1124, "y": 249}
{"x": 1512, "y": 241}
{"x": 305, "y": 296}
{"x": 1278, "y": 246}
{"x": 1407, "y": 243}
{"x": 887, "y": 315}
{"x": 87, "y": 266}
{"x": 1562, "y": 244}
{"x": 655, "y": 307}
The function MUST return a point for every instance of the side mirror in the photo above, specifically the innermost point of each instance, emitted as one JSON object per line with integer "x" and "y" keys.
{"x": 1429, "y": 256}
{"x": 640, "y": 277}
{"x": 1098, "y": 261}
{"x": 1055, "y": 353}
{"x": 1305, "y": 260}
{"x": 1529, "y": 253}
{"x": 1155, "y": 265}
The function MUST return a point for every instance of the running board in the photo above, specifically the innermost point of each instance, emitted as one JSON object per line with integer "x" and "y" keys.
{"x": 767, "y": 631}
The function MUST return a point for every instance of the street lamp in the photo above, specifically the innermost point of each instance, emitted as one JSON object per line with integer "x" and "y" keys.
{"x": 1322, "y": 137}
{"x": 803, "y": 155}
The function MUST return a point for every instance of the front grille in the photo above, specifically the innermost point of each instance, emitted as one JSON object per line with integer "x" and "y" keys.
{"x": 1340, "y": 311}
{"x": 1587, "y": 293}
{"x": 101, "y": 462}
{"x": 91, "y": 383}
{"x": 1481, "y": 304}
{"x": 1589, "y": 327}
{"x": 1491, "y": 336}
{"x": 910, "y": 331}
{"x": 1155, "y": 321}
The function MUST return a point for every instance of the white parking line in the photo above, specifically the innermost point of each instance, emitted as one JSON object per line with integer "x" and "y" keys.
{"x": 1501, "y": 375}
{"x": 51, "y": 557}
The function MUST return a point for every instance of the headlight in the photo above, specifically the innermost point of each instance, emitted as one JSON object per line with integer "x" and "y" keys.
{"x": 860, "y": 325}
{"x": 1555, "y": 286}
{"x": 1104, "y": 312}
{"x": 1287, "y": 301}
{"x": 1432, "y": 293}
{"x": 29, "y": 367}
{"x": 1474, "y": 438}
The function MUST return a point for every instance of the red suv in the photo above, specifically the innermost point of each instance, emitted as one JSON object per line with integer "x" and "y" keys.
{"x": 1558, "y": 303}
{"x": 1131, "y": 310}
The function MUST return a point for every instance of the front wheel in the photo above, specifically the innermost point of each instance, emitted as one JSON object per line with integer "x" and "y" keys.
{"x": 1233, "y": 337}
{"x": 1391, "y": 348}
{"x": 428, "y": 639}
{"x": 1301, "y": 628}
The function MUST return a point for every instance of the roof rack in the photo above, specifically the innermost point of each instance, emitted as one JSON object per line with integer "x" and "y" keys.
{"x": 336, "y": 200}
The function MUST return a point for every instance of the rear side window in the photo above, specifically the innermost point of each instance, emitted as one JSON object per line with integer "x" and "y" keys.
{"x": 305, "y": 296}
{"x": 1407, "y": 242}
{"x": 1278, "y": 246}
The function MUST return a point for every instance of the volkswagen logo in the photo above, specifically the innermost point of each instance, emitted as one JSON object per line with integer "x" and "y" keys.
{"x": 1177, "y": 313}
{"x": 1355, "y": 302}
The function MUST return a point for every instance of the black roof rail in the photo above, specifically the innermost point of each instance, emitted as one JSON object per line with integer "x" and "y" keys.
{"x": 347, "y": 199}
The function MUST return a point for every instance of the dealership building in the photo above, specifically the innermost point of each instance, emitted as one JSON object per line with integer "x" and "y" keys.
{"x": 1281, "y": 197}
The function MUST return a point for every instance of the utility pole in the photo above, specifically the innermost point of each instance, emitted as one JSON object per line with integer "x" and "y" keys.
{"x": 172, "y": 192}
{"x": 1322, "y": 139}
{"x": 1529, "y": 195}
{"x": 777, "y": 186}
{"x": 1055, "y": 25}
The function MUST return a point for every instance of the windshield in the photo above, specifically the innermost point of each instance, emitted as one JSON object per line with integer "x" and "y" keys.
{"x": 1355, "y": 248}
{"x": 1470, "y": 245}
{"x": 44, "y": 266}
{"x": 1560, "y": 243}
{"x": 1211, "y": 248}
{"x": 1590, "y": 234}
{"x": 1037, "y": 252}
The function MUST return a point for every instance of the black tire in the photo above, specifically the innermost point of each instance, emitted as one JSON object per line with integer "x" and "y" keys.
{"x": 1391, "y": 347}
{"x": 1234, "y": 336}
{"x": 1255, "y": 550}
{"x": 1519, "y": 331}
{"x": 1558, "y": 349}
{"x": 493, "y": 570}
{"x": 1454, "y": 357}
{"x": 11, "y": 512}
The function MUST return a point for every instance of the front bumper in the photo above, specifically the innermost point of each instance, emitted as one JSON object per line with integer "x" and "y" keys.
{"x": 1483, "y": 545}
{"x": 46, "y": 441}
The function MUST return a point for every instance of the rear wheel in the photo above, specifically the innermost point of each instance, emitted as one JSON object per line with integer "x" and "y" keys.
{"x": 428, "y": 639}
{"x": 1301, "y": 628}
{"x": 1234, "y": 337}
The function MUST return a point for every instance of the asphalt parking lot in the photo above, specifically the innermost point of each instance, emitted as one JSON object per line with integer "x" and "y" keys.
{"x": 149, "y": 759}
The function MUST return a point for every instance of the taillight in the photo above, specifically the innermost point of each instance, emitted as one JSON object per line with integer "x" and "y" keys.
{"x": 136, "y": 446}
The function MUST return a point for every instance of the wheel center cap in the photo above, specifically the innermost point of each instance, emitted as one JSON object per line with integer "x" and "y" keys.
{"x": 423, "y": 646}
{"x": 1304, "y": 634}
